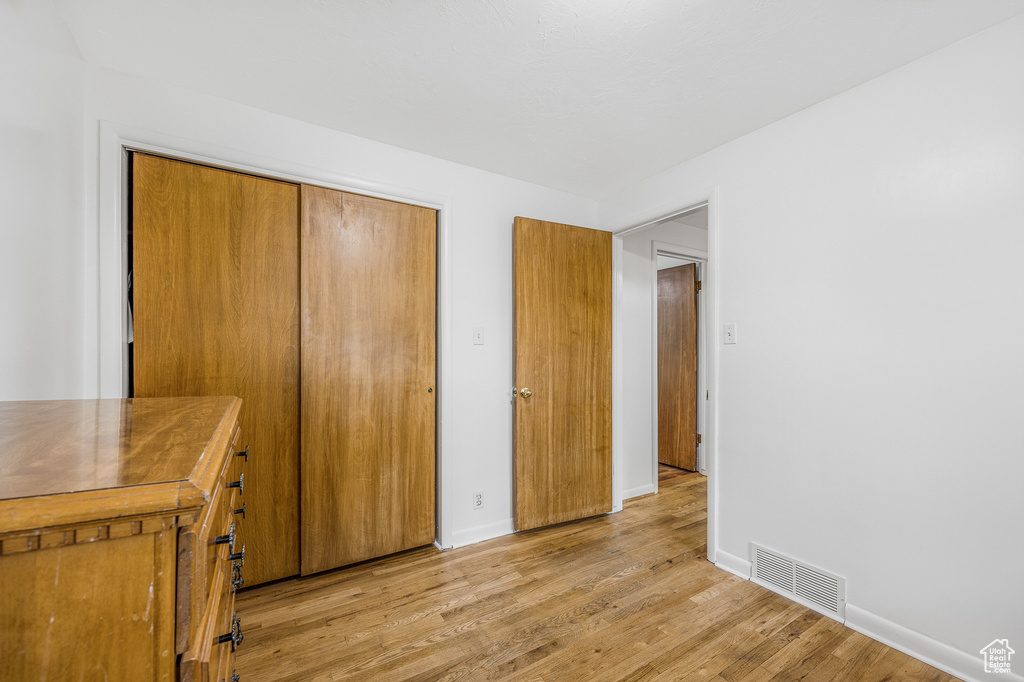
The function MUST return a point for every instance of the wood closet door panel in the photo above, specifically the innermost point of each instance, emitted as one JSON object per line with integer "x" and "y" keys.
{"x": 563, "y": 356}
{"x": 677, "y": 366}
{"x": 216, "y": 310}
{"x": 368, "y": 373}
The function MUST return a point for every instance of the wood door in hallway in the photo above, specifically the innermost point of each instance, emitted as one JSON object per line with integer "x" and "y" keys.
{"x": 677, "y": 366}
{"x": 368, "y": 377}
{"x": 563, "y": 372}
{"x": 216, "y": 312}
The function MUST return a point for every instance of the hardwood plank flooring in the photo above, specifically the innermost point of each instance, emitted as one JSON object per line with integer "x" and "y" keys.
{"x": 627, "y": 596}
{"x": 669, "y": 474}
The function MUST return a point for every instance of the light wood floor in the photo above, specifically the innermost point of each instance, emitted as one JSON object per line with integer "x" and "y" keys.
{"x": 627, "y": 596}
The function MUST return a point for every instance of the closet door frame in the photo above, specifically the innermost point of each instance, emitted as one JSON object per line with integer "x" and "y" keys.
{"x": 110, "y": 379}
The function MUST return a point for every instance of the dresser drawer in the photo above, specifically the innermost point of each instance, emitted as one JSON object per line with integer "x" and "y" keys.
{"x": 212, "y": 655}
{"x": 207, "y": 551}
{"x": 223, "y": 653}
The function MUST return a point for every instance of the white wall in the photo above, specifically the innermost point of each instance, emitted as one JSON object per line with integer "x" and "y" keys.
{"x": 639, "y": 475}
{"x": 869, "y": 415}
{"x": 666, "y": 262}
{"x": 41, "y": 240}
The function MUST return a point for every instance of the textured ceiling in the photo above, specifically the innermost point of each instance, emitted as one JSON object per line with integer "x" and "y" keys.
{"x": 582, "y": 95}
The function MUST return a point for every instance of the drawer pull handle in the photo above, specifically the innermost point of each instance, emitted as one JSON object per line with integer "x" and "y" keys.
{"x": 236, "y": 577}
{"x": 228, "y": 539}
{"x": 235, "y": 636}
{"x": 234, "y": 676}
{"x": 243, "y": 453}
{"x": 239, "y": 483}
{"x": 241, "y": 510}
{"x": 238, "y": 556}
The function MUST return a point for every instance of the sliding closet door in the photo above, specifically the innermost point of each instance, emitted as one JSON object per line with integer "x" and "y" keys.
{"x": 368, "y": 377}
{"x": 216, "y": 313}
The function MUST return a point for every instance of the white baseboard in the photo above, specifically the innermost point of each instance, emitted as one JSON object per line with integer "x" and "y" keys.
{"x": 966, "y": 666}
{"x": 733, "y": 564}
{"x": 469, "y": 536}
{"x": 637, "y": 492}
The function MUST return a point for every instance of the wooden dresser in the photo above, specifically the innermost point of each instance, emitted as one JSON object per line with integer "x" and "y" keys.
{"x": 117, "y": 523}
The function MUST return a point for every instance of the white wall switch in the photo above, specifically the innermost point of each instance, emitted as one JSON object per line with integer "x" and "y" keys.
{"x": 729, "y": 333}
{"x": 478, "y": 336}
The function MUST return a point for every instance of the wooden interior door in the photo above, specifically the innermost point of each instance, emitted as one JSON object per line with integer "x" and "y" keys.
{"x": 563, "y": 370}
{"x": 368, "y": 377}
{"x": 677, "y": 366}
{"x": 216, "y": 312}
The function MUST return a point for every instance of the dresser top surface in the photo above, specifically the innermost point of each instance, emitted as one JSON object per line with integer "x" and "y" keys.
{"x": 52, "y": 447}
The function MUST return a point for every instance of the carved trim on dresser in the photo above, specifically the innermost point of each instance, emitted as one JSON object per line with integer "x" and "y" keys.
{"x": 15, "y": 543}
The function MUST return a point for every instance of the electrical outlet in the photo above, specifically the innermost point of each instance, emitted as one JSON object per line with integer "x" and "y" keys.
{"x": 478, "y": 500}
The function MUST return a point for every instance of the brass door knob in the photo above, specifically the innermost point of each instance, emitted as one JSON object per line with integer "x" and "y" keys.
{"x": 525, "y": 392}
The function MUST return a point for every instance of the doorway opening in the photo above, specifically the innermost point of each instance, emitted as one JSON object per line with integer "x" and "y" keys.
{"x": 678, "y": 242}
{"x": 678, "y": 394}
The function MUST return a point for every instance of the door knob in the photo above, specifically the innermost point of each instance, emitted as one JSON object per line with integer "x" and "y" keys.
{"x": 525, "y": 392}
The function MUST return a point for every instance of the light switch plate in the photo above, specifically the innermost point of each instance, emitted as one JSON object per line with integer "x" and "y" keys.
{"x": 478, "y": 336}
{"x": 729, "y": 333}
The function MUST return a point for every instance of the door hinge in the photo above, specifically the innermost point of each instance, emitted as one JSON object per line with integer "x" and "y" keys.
{"x": 698, "y": 285}
{"x": 698, "y": 439}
